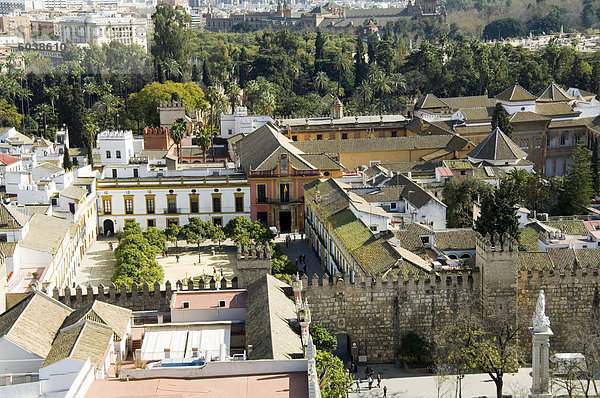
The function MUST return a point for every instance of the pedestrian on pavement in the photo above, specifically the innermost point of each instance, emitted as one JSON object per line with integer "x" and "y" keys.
{"x": 358, "y": 385}
{"x": 370, "y": 382}
{"x": 177, "y": 257}
{"x": 287, "y": 241}
{"x": 384, "y": 391}
{"x": 296, "y": 261}
{"x": 378, "y": 380}
{"x": 302, "y": 235}
{"x": 294, "y": 235}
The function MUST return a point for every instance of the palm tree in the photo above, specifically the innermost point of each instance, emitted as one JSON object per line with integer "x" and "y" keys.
{"x": 342, "y": 65}
{"x": 105, "y": 106}
{"x": 172, "y": 69}
{"x": 90, "y": 88}
{"x": 177, "y": 133}
{"x": 203, "y": 139}
{"x": 53, "y": 93}
{"x": 321, "y": 81}
{"x": 365, "y": 91}
{"x": 233, "y": 95}
{"x": 42, "y": 112}
{"x": 397, "y": 82}
{"x": 252, "y": 92}
{"x": 215, "y": 99}
{"x": 380, "y": 85}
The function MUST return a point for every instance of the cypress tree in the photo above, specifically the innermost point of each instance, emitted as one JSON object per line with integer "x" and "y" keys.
{"x": 595, "y": 164}
{"x": 361, "y": 69}
{"x": 319, "y": 50}
{"x": 67, "y": 163}
{"x": 499, "y": 213}
{"x": 76, "y": 131}
{"x": 577, "y": 190}
{"x": 500, "y": 119}
{"x": 90, "y": 158}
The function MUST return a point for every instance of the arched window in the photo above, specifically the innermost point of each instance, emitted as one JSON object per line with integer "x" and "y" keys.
{"x": 118, "y": 154}
{"x": 466, "y": 255}
{"x": 108, "y": 154}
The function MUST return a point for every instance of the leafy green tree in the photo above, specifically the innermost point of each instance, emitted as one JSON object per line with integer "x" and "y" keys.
{"x": 9, "y": 115}
{"x": 501, "y": 120}
{"x": 172, "y": 39}
{"x": 197, "y": 231}
{"x": 142, "y": 106}
{"x": 67, "y": 163}
{"x": 577, "y": 190}
{"x": 499, "y": 212}
{"x": 503, "y": 29}
{"x": 460, "y": 197}
{"x": 413, "y": 348}
{"x": 173, "y": 234}
{"x": 136, "y": 257}
{"x": 156, "y": 238}
{"x": 471, "y": 343}
{"x": 243, "y": 231}
{"x": 322, "y": 339}
{"x": 361, "y": 68}
{"x": 218, "y": 235}
{"x": 337, "y": 384}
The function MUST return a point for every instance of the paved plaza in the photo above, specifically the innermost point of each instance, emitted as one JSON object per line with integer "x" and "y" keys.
{"x": 405, "y": 385}
{"x": 296, "y": 247}
{"x": 188, "y": 266}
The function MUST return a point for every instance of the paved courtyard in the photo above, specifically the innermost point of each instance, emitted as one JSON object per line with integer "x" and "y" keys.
{"x": 189, "y": 267}
{"x": 402, "y": 384}
{"x": 295, "y": 248}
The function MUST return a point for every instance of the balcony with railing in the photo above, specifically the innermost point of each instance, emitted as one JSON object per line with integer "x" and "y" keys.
{"x": 173, "y": 210}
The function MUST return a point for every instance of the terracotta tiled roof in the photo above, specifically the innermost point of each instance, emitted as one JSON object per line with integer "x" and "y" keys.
{"x": 81, "y": 341}
{"x": 34, "y": 322}
{"x": 497, "y": 146}
{"x": 268, "y": 311}
{"x": 6, "y": 160}
{"x": 117, "y": 318}
{"x": 515, "y": 93}
{"x": 553, "y": 93}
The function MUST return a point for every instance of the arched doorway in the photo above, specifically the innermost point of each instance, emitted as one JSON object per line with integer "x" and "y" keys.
{"x": 109, "y": 228}
{"x": 343, "y": 348}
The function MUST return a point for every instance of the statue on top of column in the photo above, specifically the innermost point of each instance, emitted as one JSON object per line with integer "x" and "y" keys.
{"x": 541, "y": 322}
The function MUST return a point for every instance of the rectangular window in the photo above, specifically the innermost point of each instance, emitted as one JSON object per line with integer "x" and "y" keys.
{"x": 393, "y": 205}
{"x": 107, "y": 205}
{"x": 72, "y": 208}
{"x": 114, "y": 173}
{"x": 344, "y": 136}
{"x": 129, "y": 206}
{"x": 239, "y": 204}
{"x": 294, "y": 138}
{"x": 538, "y": 143}
{"x": 171, "y": 205}
{"x": 172, "y": 221}
{"x": 108, "y": 154}
{"x": 229, "y": 131}
{"x": 151, "y": 223}
{"x": 394, "y": 134}
{"x": 216, "y": 204}
{"x": 135, "y": 173}
{"x": 194, "y": 207}
{"x": 262, "y": 216}
{"x": 149, "y": 205}
{"x": 284, "y": 193}
{"x": 261, "y": 193}
{"x": 3, "y": 238}
{"x": 319, "y": 136}
{"x": 217, "y": 221}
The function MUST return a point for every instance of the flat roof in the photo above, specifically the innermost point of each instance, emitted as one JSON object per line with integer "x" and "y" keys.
{"x": 293, "y": 385}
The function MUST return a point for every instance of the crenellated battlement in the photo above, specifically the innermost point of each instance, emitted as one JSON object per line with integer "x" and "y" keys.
{"x": 493, "y": 243}
{"x": 145, "y": 299}
{"x": 171, "y": 104}
{"x": 155, "y": 131}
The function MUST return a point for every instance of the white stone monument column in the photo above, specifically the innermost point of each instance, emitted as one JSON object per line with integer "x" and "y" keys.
{"x": 540, "y": 336}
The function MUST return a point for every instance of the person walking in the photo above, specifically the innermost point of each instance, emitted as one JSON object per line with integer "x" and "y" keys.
{"x": 357, "y": 385}
{"x": 378, "y": 380}
{"x": 177, "y": 257}
{"x": 370, "y": 382}
{"x": 287, "y": 241}
{"x": 384, "y": 391}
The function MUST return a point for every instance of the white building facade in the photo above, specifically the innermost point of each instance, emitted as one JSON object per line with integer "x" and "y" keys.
{"x": 100, "y": 30}
{"x": 242, "y": 123}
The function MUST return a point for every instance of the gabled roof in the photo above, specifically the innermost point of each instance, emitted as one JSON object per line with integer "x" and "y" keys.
{"x": 11, "y": 218}
{"x": 430, "y": 101}
{"x": 555, "y": 109}
{"x": 46, "y": 233}
{"x": 81, "y": 341}
{"x": 48, "y": 168}
{"x": 19, "y": 139}
{"x": 553, "y": 93}
{"x": 497, "y": 146}
{"x": 327, "y": 196}
{"x": 33, "y": 322}
{"x": 74, "y": 192}
{"x": 117, "y": 318}
{"x": 257, "y": 149}
{"x": 516, "y": 93}
{"x": 268, "y": 311}
{"x": 522, "y": 117}
{"x": 473, "y": 101}
{"x": 6, "y": 160}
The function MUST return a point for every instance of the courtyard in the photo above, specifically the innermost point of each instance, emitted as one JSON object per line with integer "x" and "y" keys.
{"x": 98, "y": 264}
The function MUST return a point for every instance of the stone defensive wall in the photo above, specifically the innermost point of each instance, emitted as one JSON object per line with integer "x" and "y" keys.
{"x": 375, "y": 314}
{"x": 136, "y": 299}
